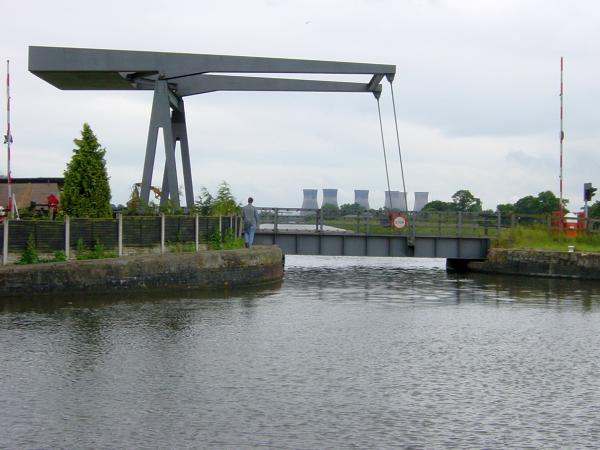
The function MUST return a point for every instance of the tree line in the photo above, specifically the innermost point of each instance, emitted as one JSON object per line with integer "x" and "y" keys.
{"x": 464, "y": 201}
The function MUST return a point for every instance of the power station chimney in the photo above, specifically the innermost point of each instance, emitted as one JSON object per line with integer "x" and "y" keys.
{"x": 421, "y": 199}
{"x": 330, "y": 197}
{"x": 361, "y": 197}
{"x": 398, "y": 200}
{"x": 310, "y": 199}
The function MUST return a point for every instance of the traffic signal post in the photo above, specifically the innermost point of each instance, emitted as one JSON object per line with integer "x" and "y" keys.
{"x": 588, "y": 192}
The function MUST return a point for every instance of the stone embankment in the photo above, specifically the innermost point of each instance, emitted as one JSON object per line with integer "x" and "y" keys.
{"x": 540, "y": 263}
{"x": 209, "y": 270}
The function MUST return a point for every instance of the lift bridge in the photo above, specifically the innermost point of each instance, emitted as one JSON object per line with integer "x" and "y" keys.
{"x": 174, "y": 76}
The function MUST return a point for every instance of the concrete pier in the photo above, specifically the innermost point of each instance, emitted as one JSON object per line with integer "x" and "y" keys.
{"x": 210, "y": 270}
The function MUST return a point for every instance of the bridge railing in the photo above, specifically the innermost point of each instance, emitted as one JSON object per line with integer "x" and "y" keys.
{"x": 422, "y": 223}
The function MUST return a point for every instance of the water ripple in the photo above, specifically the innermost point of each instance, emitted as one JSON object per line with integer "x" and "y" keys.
{"x": 347, "y": 353}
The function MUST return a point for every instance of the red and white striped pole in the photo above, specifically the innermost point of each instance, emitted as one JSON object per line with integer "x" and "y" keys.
{"x": 562, "y": 133}
{"x": 8, "y": 139}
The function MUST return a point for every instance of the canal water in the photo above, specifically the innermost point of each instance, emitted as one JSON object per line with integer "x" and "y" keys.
{"x": 345, "y": 353}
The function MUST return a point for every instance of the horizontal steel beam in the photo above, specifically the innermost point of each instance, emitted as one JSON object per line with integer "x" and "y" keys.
{"x": 375, "y": 245}
{"x": 84, "y": 68}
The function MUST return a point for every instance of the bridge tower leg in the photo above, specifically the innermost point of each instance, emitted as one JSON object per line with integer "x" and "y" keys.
{"x": 161, "y": 118}
{"x": 180, "y": 134}
{"x": 179, "y": 128}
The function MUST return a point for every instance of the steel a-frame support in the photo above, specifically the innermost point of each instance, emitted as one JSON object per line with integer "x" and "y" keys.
{"x": 168, "y": 113}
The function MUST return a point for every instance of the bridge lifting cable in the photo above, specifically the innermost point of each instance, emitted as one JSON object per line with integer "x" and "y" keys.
{"x": 387, "y": 175}
{"x": 390, "y": 78}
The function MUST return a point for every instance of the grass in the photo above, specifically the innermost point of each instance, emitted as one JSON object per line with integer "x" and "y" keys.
{"x": 540, "y": 238}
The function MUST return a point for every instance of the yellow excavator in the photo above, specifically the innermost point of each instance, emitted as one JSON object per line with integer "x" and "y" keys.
{"x": 134, "y": 198}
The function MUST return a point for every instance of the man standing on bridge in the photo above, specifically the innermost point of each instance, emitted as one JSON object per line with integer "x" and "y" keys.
{"x": 250, "y": 220}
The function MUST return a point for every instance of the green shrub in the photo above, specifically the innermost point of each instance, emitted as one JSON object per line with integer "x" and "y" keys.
{"x": 80, "y": 250}
{"x": 98, "y": 252}
{"x": 231, "y": 241}
{"x": 215, "y": 242}
{"x": 59, "y": 256}
{"x": 30, "y": 255}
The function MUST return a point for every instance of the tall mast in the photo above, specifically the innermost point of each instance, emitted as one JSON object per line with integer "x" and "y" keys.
{"x": 562, "y": 133}
{"x": 8, "y": 139}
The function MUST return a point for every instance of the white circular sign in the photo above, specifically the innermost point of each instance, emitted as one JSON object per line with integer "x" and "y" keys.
{"x": 400, "y": 222}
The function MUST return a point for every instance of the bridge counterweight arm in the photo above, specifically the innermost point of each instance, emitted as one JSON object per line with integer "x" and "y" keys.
{"x": 201, "y": 84}
{"x": 84, "y": 68}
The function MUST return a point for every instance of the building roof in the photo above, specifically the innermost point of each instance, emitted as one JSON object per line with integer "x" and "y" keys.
{"x": 41, "y": 180}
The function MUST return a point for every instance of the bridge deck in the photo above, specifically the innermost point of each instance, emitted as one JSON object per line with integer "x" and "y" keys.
{"x": 343, "y": 244}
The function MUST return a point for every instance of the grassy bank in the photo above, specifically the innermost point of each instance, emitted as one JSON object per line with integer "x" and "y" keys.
{"x": 540, "y": 238}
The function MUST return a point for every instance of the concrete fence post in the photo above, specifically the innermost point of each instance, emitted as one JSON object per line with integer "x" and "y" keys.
{"x": 498, "y": 223}
{"x": 196, "y": 233}
{"x": 120, "y": 233}
{"x": 320, "y": 221}
{"x": 162, "y": 233}
{"x": 67, "y": 237}
{"x": 275, "y": 220}
{"x": 5, "y": 242}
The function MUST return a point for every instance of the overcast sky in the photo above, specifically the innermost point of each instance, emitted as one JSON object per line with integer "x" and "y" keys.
{"x": 477, "y": 95}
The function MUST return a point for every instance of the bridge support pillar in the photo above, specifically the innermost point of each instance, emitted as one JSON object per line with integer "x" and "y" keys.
{"x": 179, "y": 130}
{"x": 174, "y": 129}
{"x": 457, "y": 265}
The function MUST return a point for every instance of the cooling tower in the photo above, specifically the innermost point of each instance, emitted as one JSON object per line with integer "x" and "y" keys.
{"x": 398, "y": 200}
{"x": 310, "y": 199}
{"x": 361, "y": 197}
{"x": 421, "y": 199}
{"x": 330, "y": 197}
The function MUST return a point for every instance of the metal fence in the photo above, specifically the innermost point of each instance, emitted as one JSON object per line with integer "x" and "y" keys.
{"x": 113, "y": 234}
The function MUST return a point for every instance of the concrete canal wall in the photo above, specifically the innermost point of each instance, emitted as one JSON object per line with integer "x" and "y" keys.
{"x": 211, "y": 269}
{"x": 540, "y": 263}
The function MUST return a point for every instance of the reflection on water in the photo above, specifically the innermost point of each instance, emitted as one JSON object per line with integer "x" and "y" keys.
{"x": 377, "y": 352}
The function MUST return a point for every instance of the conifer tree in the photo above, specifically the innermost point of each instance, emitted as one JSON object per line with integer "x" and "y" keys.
{"x": 225, "y": 203}
{"x": 86, "y": 191}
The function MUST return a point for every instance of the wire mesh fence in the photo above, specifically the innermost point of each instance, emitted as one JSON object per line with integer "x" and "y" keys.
{"x": 134, "y": 232}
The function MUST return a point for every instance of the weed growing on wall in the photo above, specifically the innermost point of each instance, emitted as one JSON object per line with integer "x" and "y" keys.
{"x": 227, "y": 241}
{"x": 96, "y": 252}
{"x": 30, "y": 254}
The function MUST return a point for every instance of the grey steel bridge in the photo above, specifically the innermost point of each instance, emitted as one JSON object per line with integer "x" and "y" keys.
{"x": 364, "y": 236}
